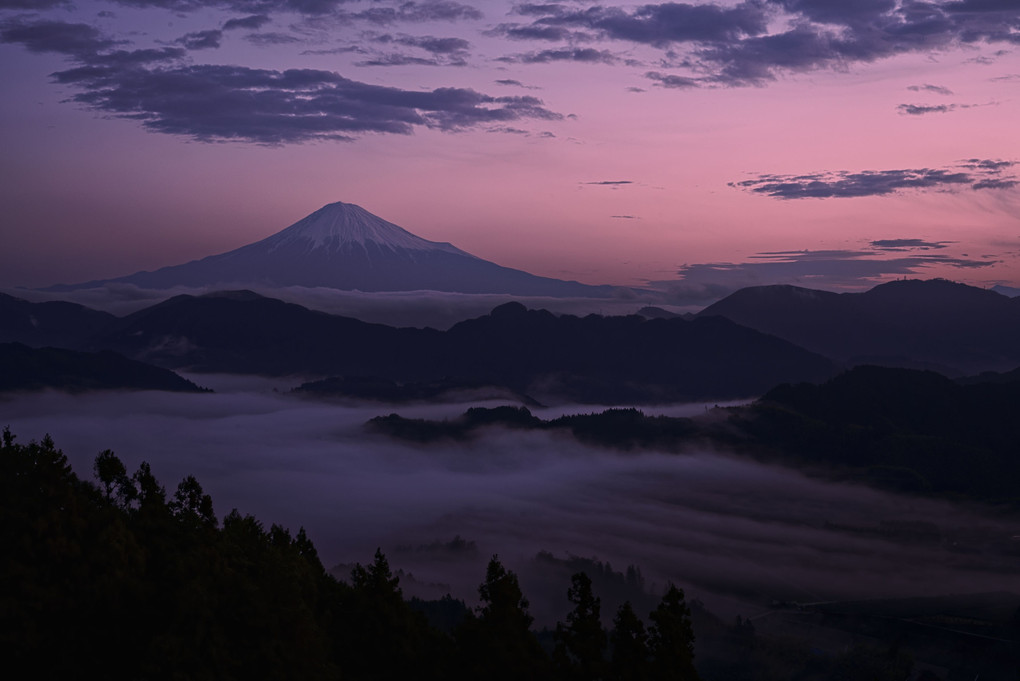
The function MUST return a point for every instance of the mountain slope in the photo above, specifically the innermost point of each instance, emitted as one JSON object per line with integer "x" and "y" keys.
{"x": 593, "y": 359}
{"x": 343, "y": 246}
{"x": 50, "y": 323}
{"x": 938, "y": 324}
{"x": 23, "y": 368}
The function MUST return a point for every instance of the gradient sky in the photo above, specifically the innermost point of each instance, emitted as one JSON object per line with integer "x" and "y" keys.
{"x": 828, "y": 143}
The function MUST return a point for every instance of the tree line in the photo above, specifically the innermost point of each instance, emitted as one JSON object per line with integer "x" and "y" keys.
{"x": 121, "y": 579}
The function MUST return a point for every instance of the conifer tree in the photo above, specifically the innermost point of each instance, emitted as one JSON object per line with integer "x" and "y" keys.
{"x": 629, "y": 641}
{"x": 498, "y": 644}
{"x": 671, "y": 638}
{"x": 581, "y": 643}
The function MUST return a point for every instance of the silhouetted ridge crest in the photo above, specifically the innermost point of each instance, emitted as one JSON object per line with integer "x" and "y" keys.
{"x": 530, "y": 352}
{"x": 937, "y": 324}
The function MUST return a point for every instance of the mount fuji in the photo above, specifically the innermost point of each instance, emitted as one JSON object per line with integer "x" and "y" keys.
{"x": 343, "y": 246}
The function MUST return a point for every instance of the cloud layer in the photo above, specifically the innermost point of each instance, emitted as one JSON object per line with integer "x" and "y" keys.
{"x": 219, "y": 102}
{"x": 698, "y": 45}
{"x": 754, "y": 42}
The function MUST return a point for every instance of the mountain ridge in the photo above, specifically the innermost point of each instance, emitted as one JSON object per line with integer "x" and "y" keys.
{"x": 952, "y": 327}
{"x": 534, "y": 352}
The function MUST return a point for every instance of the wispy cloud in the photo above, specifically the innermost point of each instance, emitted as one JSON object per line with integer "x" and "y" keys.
{"x": 411, "y": 12}
{"x": 271, "y": 38}
{"x": 201, "y": 40}
{"x": 908, "y": 244}
{"x": 970, "y": 174}
{"x": 510, "y": 82}
{"x": 441, "y": 51}
{"x": 922, "y": 109}
{"x": 252, "y": 22}
{"x": 587, "y": 55}
{"x": 671, "y": 81}
{"x": 937, "y": 89}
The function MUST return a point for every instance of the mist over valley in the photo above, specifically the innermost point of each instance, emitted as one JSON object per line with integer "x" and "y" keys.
{"x": 736, "y": 533}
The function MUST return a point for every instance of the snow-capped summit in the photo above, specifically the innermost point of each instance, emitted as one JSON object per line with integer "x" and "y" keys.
{"x": 338, "y": 225}
{"x": 343, "y": 246}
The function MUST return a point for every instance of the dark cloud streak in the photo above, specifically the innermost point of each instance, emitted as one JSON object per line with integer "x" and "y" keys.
{"x": 271, "y": 38}
{"x": 937, "y": 89}
{"x": 907, "y": 244}
{"x": 443, "y": 51}
{"x": 306, "y": 7}
{"x": 671, "y": 81}
{"x": 201, "y": 40}
{"x": 414, "y": 12}
{"x": 922, "y": 109}
{"x": 32, "y": 4}
{"x": 251, "y": 23}
{"x": 972, "y": 174}
{"x": 584, "y": 55}
{"x": 75, "y": 40}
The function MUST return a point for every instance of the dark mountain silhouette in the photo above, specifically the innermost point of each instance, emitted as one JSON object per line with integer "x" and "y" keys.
{"x": 909, "y": 430}
{"x": 343, "y": 246}
{"x": 900, "y": 427}
{"x": 652, "y": 312}
{"x": 631, "y": 358}
{"x": 935, "y": 324}
{"x": 51, "y": 323}
{"x": 24, "y": 368}
{"x": 992, "y": 377}
{"x": 594, "y": 358}
{"x": 243, "y": 332}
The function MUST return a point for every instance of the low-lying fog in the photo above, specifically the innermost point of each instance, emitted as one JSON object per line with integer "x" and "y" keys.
{"x": 734, "y": 533}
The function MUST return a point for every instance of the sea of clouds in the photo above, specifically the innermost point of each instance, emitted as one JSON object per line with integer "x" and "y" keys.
{"x": 735, "y": 533}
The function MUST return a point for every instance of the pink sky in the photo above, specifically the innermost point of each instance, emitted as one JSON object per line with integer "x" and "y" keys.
{"x": 90, "y": 192}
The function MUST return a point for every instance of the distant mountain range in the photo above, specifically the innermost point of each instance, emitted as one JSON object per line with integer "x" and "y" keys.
{"x": 343, "y": 246}
{"x": 739, "y": 347}
{"x": 590, "y": 359}
{"x": 940, "y": 325}
{"x": 1010, "y": 291}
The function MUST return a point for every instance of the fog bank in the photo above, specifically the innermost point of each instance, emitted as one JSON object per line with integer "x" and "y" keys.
{"x": 735, "y": 533}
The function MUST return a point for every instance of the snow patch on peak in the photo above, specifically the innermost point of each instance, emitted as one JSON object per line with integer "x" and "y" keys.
{"x": 337, "y": 225}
